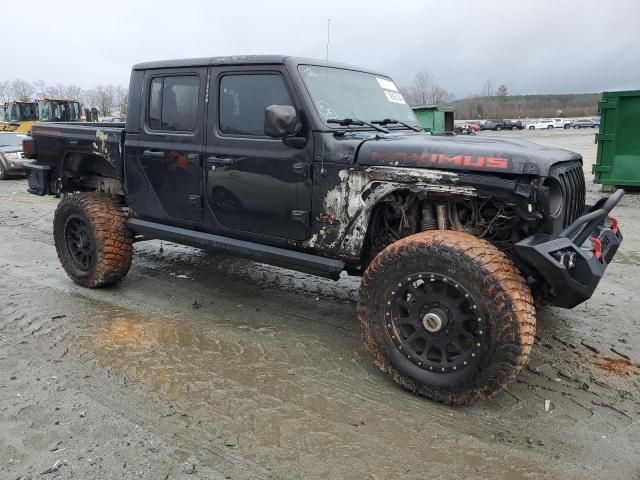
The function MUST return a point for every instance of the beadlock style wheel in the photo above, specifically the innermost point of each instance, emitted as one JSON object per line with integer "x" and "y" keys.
{"x": 435, "y": 321}
{"x": 94, "y": 245}
{"x": 447, "y": 315}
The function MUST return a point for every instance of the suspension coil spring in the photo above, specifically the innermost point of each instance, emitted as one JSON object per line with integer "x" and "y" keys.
{"x": 428, "y": 219}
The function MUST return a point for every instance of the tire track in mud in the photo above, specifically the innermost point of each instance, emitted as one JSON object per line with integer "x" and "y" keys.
{"x": 344, "y": 390}
{"x": 186, "y": 261}
{"x": 536, "y": 382}
{"x": 17, "y": 322}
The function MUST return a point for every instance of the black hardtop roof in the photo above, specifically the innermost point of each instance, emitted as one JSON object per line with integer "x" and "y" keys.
{"x": 246, "y": 60}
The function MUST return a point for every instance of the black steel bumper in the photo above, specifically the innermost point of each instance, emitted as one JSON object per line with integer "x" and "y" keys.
{"x": 573, "y": 262}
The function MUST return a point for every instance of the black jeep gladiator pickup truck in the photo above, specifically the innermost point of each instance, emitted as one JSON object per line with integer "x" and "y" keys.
{"x": 322, "y": 168}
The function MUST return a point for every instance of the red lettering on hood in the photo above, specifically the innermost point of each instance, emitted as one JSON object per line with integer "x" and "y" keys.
{"x": 441, "y": 159}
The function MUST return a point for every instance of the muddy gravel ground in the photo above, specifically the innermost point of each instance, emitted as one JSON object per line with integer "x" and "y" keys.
{"x": 203, "y": 366}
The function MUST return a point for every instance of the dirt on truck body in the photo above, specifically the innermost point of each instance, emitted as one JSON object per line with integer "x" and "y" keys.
{"x": 321, "y": 168}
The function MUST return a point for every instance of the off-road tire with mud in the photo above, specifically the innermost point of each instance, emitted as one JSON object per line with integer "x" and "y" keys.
{"x": 447, "y": 286}
{"x": 93, "y": 242}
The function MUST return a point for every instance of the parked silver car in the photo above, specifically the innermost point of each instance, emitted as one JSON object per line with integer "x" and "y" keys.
{"x": 11, "y": 158}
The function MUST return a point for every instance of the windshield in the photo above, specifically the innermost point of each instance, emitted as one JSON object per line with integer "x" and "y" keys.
{"x": 58, "y": 111}
{"x": 338, "y": 93}
{"x": 19, "y": 112}
{"x": 11, "y": 139}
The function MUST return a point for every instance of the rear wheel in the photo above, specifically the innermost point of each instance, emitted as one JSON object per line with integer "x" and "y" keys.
{"x": 3, "y": 172}
{"x": 447, "y": 316}
{"x": 576, "y": 126}
{"x": 514, "y": 128}
{"x": 93, "y": 242}
{"x": 549, "y": 127}
{"x": 498, "y": 128}
{"x": 532, "y": 127}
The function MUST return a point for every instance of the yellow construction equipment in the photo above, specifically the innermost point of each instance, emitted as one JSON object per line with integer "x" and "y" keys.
{"x": 20, "y": 116}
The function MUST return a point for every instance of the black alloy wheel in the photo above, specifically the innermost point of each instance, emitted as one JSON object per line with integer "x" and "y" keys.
{"x": 79, "y": 241}
{"x": 436, "y": 322}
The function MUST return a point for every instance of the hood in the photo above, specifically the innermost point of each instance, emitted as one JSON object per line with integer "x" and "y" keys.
{"x": 10, "y": 149}
{"x": 464, "y": 153}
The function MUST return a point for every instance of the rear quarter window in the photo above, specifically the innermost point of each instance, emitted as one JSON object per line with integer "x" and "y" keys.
{"x": 173, "y": 103}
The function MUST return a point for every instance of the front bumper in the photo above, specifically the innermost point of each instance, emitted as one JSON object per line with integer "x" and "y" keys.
{"x": 572, "y": 263}
{"x": 13, "y": 166}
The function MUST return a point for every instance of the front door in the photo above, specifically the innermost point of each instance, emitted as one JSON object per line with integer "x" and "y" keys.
{"x": 169, "y": 150}
{"x": 254, "y": 184}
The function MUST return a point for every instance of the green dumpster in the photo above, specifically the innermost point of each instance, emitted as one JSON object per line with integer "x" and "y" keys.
{"x": 435, "y": 118}
{"x": 618, "y": 159}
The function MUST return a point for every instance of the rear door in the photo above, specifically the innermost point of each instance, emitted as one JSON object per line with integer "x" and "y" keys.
{"x": 255, "y": 184}
{"x": 169, "y": 151}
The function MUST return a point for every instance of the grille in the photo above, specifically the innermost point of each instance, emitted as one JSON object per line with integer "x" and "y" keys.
{"x": 571, "y": 179}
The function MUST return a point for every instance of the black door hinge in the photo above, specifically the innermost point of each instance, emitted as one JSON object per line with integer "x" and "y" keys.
{"x": 301, "y": 216}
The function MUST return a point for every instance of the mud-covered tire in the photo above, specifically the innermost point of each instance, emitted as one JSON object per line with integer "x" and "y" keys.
{"x": 505, "y": 319}
{"x": 92, "y": 223}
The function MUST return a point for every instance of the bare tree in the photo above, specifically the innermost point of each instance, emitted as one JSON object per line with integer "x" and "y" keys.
{"x": 422, "y": 86}
{"x": 70, "y": 92}
{"x": 21, "y": 90}
{"x": 41, "y": 88}
{"x": 439, "y": 95}
{"x": 104, "y": 98}
{"x": 487, "y": 89}
{"x": 4, "y": 92}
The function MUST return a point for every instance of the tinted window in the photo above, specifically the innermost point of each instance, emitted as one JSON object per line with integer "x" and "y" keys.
{"x": 244, "y": 98}
{"x": 155, "y": 102}
{"x": 173, "y": 103}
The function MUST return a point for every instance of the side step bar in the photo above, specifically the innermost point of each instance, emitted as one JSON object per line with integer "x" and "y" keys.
{"x": 291, "y": 259}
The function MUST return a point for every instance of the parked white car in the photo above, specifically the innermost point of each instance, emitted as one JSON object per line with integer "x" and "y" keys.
{"x": 541, "y": 124}
{"x": 560, "y": 123}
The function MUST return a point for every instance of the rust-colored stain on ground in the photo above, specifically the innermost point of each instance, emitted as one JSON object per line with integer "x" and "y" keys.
{"x": 126, "y": 332}
{"x": 620, "y": 366}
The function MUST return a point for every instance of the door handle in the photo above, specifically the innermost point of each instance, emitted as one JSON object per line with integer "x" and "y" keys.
{"x": 221, "y": 161}
{"x": 153, "y": 154}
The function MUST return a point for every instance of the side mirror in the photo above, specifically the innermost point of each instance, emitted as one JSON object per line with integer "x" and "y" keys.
{"x": 281, "y": 121}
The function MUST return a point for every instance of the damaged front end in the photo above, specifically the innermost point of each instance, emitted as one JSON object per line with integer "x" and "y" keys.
{"x": 539, "y": 222}
{"x": 373, "y": 207}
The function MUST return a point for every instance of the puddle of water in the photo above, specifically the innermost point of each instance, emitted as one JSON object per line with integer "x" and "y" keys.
{"x": 289, "y": 392}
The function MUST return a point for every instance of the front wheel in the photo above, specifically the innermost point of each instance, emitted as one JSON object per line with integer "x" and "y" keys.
{"x": 532, "y": 127}
{"x": 94, "y": 245}
{"x": 549, "y": 127}
{"x": 447, "y": 316}
{"x": 514, "y": 128}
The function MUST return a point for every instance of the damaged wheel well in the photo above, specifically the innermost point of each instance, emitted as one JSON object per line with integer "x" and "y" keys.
{"x": 404, "y": 212}
{"x": 86, "y": 173}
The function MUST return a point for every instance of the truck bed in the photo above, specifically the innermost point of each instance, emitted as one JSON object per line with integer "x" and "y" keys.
{"x": 57, "y": 143}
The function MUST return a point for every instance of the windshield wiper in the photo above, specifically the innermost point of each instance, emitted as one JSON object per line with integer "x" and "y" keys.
{"x": 345, "y": 122}
{"x": 387, "y": 121}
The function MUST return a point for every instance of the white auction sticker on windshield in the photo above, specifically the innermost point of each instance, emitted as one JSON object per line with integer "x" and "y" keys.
{"x": 387, "y": 84}
{"x": 394, "y": 97}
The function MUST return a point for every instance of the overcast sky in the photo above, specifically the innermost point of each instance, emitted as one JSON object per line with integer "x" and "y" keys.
{"x": 540, "y": 46}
